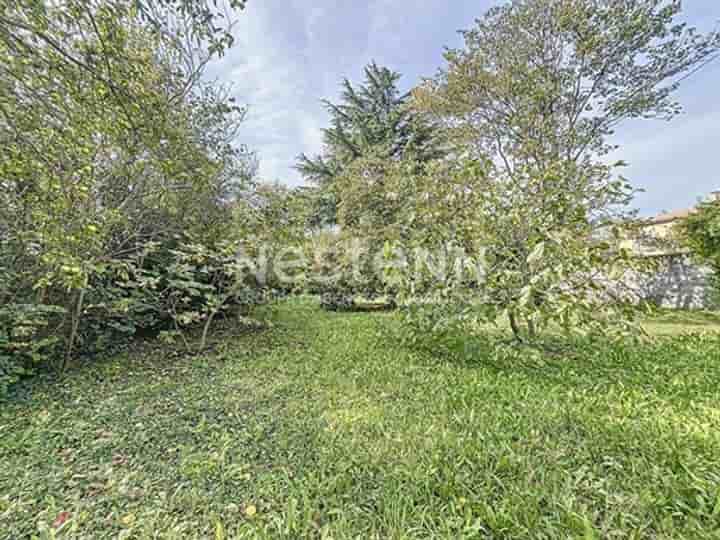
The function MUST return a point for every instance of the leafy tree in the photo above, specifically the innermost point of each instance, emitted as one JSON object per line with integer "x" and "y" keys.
{"x": 196, "y": 283}
{"x": 109, "y": 142}
{"x": 540, "y": 81}
{"x": 529, "y": 104}
{"x": 700, "y": 231}
{"x": 371, "y": 128}
{"x": 371, "y": 119}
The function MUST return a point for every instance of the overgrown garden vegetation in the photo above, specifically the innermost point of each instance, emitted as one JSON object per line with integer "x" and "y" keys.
{"x": 516, "y": 389}
{"x": 120, "y": 176}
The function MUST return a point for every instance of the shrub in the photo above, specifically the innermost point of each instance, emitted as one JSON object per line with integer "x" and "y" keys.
{"x": 25, "y": 340}
{"x": 700, "y": 231}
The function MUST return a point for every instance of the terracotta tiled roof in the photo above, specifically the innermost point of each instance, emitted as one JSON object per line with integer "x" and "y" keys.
{"x": 667, "y": 217}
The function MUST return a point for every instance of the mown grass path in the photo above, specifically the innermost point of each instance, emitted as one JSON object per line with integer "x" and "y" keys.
{"x": 326, "y": 427}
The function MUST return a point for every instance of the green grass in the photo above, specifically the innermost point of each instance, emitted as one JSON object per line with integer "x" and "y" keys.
{"x": 325, "y": 427}
{"x": 675, "y": 322}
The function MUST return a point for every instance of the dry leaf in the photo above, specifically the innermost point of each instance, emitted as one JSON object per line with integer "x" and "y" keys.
{"x": 61, "y": 518}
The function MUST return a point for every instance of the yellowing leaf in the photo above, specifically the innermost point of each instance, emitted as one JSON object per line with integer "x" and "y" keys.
{"x": 537, "y": 253}
{"x": 219, "y": 531}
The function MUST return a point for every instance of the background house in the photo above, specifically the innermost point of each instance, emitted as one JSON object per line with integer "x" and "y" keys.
{"x": 678, "y": 280}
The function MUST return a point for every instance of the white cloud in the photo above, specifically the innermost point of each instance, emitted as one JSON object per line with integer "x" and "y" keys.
{"x": 267, "y": 73}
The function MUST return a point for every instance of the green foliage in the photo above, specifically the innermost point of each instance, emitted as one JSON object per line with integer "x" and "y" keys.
{"x": 198, "y": 283}
{"x": 542, "y": 79}
{"x": 528, "y": 104}
{"x": 203, "y": 21}
{"x": 371, "y": 119}
{"x": 524, "y": 249}
{"x": 374, "y": 195}
{"x": 700, "y": 231}
{"x": 25, "y": 340}
{"x": 109, "y": 142}
{"x": 127, "y": 208}
{"x": 342, "y": 269}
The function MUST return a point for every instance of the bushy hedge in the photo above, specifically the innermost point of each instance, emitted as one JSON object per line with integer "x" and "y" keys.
{"x": 122, "y": 188}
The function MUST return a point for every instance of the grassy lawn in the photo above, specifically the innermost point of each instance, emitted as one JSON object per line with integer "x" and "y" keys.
{"x": 672, "y": 323}
{"x": 323, "y": 427}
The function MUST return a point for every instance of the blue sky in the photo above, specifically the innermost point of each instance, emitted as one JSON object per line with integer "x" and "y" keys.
{"x": 291, "y": 53}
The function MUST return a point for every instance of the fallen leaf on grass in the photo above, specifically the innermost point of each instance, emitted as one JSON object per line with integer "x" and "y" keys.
{"x": 61, "y": 518}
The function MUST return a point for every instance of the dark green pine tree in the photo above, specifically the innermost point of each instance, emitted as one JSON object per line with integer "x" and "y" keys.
{"x": 371, "y": 118}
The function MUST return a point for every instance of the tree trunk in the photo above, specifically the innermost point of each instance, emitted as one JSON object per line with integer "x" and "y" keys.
{"x": 514, "y": 326}
{"x": 532, "y": 333}
{"x": 179, "y": 332}
{"x": 74, "y": 325}
{"x": 206, "y": 329}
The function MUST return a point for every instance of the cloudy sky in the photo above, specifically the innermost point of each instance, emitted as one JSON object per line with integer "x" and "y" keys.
{"x": 291, "y": 53}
